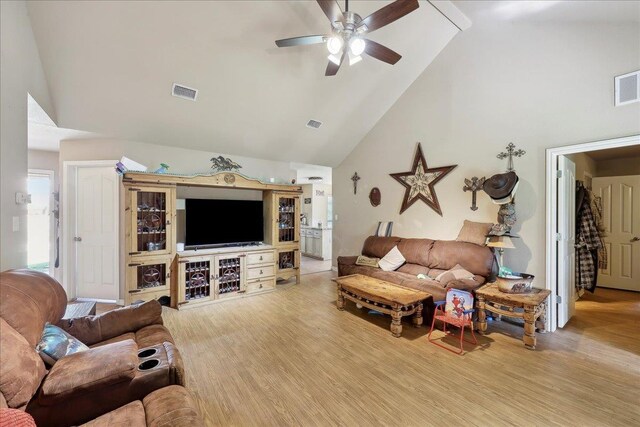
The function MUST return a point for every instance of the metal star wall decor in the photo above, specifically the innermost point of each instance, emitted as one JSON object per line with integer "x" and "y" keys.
{"x": 420, "y": 181}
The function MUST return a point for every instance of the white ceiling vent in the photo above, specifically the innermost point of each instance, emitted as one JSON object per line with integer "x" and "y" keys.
{"x": 184, "y": 92}
{"x": 314, "y": 124}
{"x": 628, "y": 88}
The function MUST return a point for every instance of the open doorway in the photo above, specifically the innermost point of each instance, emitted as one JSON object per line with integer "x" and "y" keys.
{"x": 602, "y": 181}
{"x": 316, "y": 222}
{"x": 40, "y": 229}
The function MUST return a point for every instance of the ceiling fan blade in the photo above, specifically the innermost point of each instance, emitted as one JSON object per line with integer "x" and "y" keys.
{"x": 332, "y": 9}
{"x": 381, "y": 52}
{"x": 300, "y": 41}
{"x": 388, "y": 14}
{"x": 332, "y": 68}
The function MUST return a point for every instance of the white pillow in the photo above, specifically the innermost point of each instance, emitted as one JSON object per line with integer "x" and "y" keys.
{"x": 392, "y": 260}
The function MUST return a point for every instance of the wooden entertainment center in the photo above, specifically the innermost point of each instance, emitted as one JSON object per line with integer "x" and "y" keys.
{"x": 154, "y": 267}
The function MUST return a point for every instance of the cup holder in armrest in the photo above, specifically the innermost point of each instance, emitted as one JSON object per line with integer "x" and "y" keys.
{"x": 148, "y": 364}
{"x": 143, "y": 354}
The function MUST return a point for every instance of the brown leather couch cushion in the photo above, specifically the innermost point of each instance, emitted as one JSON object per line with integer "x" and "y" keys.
{"x": 413, "y": 269}
{"x": 94, "y": 329}
{"x": 378, "y": 247}
{"x": 171, "y": 406}
{"x": 446, "y": 254}
{"x": 21, "y": 369}
{"x": 28, "y": 300}
{"x": 416, "y": 251}
{"x": 129, "y": 415}
{"x": 90, "y": 370}
{"x": 152, "y": 335}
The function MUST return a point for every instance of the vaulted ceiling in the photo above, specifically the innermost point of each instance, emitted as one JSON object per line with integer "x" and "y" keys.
{"x": 111, "y": 65}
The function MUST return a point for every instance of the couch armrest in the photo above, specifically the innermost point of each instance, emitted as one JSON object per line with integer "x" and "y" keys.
{"x": 89, "y": 370}
{"x": 347, "y": 260}
{"x": 94, "y": 329}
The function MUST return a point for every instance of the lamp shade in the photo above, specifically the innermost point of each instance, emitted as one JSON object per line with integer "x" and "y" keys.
{"x": 502, "y": 242}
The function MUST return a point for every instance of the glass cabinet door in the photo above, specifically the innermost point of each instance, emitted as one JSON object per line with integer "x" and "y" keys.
{"x": 196, "y": 276}
{"x": 151, "y": 225}
{"x": 229, "y": 271}
{"x": 288, "y": 219}
{"x": 152, "y": 274}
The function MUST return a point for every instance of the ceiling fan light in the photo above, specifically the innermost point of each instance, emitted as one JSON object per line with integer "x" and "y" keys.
{"x": 334, "y": 44}
{"x": 357, "y": 46}
{"x": 334, "y": 58}
{"x": 354, "y": 59}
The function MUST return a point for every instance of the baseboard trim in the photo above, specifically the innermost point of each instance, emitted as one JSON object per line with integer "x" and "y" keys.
{"x": 334, "y": 268}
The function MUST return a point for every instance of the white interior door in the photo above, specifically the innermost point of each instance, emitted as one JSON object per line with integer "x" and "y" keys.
{"x": 621, "y": 215}
{"x": 96, "y": 236}
{"x": 566, "y": 239}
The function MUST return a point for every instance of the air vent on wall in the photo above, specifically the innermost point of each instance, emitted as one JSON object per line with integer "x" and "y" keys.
{"x": 184, "y": 92}
{"x": 627, "y": 88}
{"x": 314, "y": 178}
{"x": 314, "y": 124}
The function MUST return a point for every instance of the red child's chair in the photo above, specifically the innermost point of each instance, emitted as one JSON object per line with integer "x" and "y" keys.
{"x": 456, "y": 310}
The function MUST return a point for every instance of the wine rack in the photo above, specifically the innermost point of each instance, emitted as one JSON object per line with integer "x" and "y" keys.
{"x": 286, "y": 219}
{"x": 229, "y": 275}
{"x": 151, "y": 221}
{"x": 197, "y": 279}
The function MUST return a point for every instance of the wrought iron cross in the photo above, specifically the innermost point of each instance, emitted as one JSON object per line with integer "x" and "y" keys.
{"x": 355, "y": 178}
{"x": 511, "y": 153}
{"x": 474, "y": 184}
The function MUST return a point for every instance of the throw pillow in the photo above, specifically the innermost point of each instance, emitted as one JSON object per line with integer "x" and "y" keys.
{"x": 456, "y": 273}
{"x": 474, "y": 232}
{"x": 15, "y": 418}
{"x": 56, "y": 343}
{"x": 368, "y": 262}
{"x": 392, "y": 260}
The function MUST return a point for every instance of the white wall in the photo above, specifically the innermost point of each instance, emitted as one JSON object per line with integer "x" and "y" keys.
{"x": 537, "y": 85}
{"x": 20, "y": 73}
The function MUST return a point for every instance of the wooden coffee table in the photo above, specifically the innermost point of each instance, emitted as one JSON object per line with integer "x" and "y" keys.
{"x": 489, "y": 297}
{"x": 382, "y": 296}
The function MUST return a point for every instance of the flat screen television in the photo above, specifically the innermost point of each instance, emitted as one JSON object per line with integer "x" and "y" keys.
{"x": 211, "y": 223}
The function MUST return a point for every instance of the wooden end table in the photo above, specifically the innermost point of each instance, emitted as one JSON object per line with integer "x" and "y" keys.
{"x": 489, "y": 297}
{"x": 382, "y": 296}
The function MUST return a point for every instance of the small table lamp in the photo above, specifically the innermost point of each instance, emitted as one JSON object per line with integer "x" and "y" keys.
{"x": 501, "y": 243}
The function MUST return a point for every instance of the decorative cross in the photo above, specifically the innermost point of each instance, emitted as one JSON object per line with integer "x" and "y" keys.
{"x": 355, "y": 178}
{"x": 511, "y": 153}
{"x": 474, "y": 184}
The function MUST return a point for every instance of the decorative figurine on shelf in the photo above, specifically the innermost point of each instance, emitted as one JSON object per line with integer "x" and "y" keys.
{"x": 511, "y": 153}
{"x": 163, "y": 168}
{"x": 355, "y": 178}
{"x": 474, "y": 184}
{"x": 222, "y": 164}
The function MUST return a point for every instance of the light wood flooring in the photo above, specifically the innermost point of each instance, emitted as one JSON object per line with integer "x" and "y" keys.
{"x": 291, "y": 358}
{"x": 310, "y": 265}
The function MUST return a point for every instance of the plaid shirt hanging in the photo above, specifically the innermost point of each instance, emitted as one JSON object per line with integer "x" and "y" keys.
{"x": 588, "y": 246}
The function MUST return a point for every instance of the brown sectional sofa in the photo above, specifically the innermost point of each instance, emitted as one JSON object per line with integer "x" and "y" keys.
{"x": 103, "y": 385}
{"x": 426, "y": 256}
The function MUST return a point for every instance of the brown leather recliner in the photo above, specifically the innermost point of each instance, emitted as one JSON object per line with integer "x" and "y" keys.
{"x": 105, "y": 382}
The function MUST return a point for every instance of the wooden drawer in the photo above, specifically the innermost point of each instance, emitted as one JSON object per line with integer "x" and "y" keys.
{"x": 261, "y": 258}
{"x": 260, "y": 272}
{"x": 261, "y": 285}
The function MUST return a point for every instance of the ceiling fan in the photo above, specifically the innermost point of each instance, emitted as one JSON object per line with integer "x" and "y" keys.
{"x": 348, "y": 30}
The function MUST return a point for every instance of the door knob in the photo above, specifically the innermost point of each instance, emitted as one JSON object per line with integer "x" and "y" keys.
{"x": 635, "y": 239}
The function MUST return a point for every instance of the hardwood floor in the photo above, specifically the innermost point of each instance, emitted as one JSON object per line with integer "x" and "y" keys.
{"x": 310, "y": 265}
{"x": 291, "y": 358}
